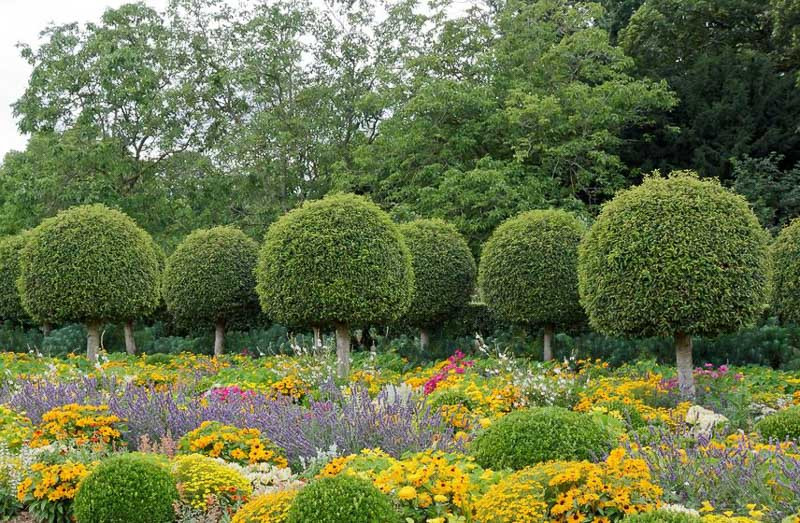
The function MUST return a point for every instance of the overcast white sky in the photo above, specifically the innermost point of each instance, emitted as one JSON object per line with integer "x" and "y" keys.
{"x": 21, "y": 21}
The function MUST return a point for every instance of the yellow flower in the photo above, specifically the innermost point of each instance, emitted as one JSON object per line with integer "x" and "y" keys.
{"x": 706, "y": 507}
{"x": 407, "y": 493}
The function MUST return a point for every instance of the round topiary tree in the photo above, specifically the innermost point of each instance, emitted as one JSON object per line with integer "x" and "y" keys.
{"x": 342, "y": 498}
{"x": 444, "y": 273}
{"x": 10, "y": 303}
{"x": 335, "y": 261}
{"x": 209, "y": 279}
{"x": 88, "y": 264}
{"x": 528, "y": 271}
{"x": 785, "y": 273}
{"x": 129, "y": 488}
{"x": 675, "y": 256}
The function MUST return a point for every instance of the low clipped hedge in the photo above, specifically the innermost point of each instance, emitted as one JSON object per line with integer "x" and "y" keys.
{"x": 782, "y": 425}
{"x": 526, "y": 437}
{"x": 342, "y": 498}
{"x": 130, "y": 488}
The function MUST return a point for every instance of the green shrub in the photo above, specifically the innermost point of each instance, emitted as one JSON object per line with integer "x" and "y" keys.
{"x": 88, "y": 264}
{"x": 782, "y": 425}
{"x": 663, "y": 516}
{"x": 528, "y": 271}
{"x": 444, "y": 272}
{"x": 10, "y": 304}
{"x": 336, "y": 261}
{"x": 785, "y": 273}
{"x": 342, "y": 498}
{"x": 209, "y": 279}
{"x": 526, "y": 437}
{"x": 130, "y": 488}
{"x": 675, "y": 256}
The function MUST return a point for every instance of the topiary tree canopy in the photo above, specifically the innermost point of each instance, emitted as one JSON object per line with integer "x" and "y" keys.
{"x": 528, "y": 271}
{"x": 335, "y": 261}
{"x": 88, "y": 264}
{"x": 209, "y": 279}
{"x": 675, "y": 256}
{"x": 785, "y": 272}
{"x": 444, "y": 273}
{"x": 10, "y": 303}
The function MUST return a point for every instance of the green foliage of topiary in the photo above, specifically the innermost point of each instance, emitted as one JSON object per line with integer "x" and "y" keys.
{"x": 444, "y": 271}
{"x": 528, "y": 269}
{"x": 342, "y": 498}
{"x": 785, "y": 273}
{"x": 209, "y": 278}
{"x": 88, "y": 264}
{"x": 10, "y": 303}
{"x": 675, "y": 254}
{"x": 782, "y": 425}
{"x": 335, "y": 260}
{"x": 663, "y": 516}
{"x": 130, "y": 488}
{"x": 526, "y": 437}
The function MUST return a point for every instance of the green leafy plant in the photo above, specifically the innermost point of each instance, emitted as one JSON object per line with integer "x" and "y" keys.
{"x": 785, "y": 273}
{"x": 782, "y": 425}
{"x": 663, "y": 516}
{"x": 10, "y": 304}
{"x": 342, "y": 498}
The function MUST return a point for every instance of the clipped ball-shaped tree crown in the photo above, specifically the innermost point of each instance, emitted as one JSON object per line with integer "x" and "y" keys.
{"x": 88, "y": 263}
{"x": 674, "y": 255}
{"x": 336, "y": 260}
{"x": 785, "y": 273}
{"x": 444, "y": 271}
{"x": 528, "y": 269}
{"x": 209, "y": 278}
{"x": 10, "y": 303}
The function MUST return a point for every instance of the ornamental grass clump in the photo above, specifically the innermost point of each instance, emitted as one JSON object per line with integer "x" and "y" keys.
{"x": 782, "y": 425}
{"x": 130, "y": 488}
{"x": 342, "y": 498}
{"x": 527, "y": 437}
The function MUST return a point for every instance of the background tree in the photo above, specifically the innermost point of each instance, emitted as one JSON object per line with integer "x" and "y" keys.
{"x": 11, "y": 308}
{"x": 785, "y": 273}
{"x": 528, "y": 271}
{"x": 336, "y": 261}
{"x": 88, "y": 264}
{"x": 444, "y": 274}
{"x": 677, "y": 257}
{"x": 209, "y": 279}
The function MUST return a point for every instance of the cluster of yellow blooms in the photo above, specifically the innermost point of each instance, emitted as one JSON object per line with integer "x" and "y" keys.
{"x": 267, "y": 508}
{"x": 290, "y": 387}
{"x": 79, "y": 424}
{"x": 232, "y": 444}
{"x": 15, "y": 429}
{"x": 204, "y": 482}
{"x": 630, "y": 393}
{"x": 55, "y": 483}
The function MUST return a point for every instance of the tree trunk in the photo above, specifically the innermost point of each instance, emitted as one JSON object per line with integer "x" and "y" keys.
{"x": 46, "y": 328}
{"x": 548, "y": 342}
{"x": 219, "y": 338}
{"x": 317, "y": 338}
{"x": 92, "y": 340}
{"x": 342, "y": 350}
{"x": 130, "y": 342}
{"x": 424, "y": 339}
{"x": 683, "y": 354}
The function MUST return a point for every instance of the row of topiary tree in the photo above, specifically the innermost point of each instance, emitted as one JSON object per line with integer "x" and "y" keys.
{"x": 675, "y": 256}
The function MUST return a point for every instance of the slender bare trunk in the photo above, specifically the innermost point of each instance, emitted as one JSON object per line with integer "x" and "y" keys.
{"x": 683, "y": 354}
{"x": 548, "y": 342}
{"x": 92, "y": 340}
{"x": 424, "y": 339}
{"x": 46, "y": 328}
{"x": 342, "y": 350}
{"x": 317, "y": 338}
{"x": 130, "y": 342}
{"x": 219, "y": 338}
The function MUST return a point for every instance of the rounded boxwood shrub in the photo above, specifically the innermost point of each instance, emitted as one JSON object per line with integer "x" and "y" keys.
{"x": 781, "y": 425}
{"x": 675, "y": 256}
{"x": 528, "y": 271}
{"x": 526, "y": 437}
{"x": 130, "y": 488}
{"x": 785, "y": 272}
{"x": 209, "y": 279}
{"x": 10, "y": 303}
{"x": 342, "y": 498}
{"x": 88, "y": 264}
{"x": 663, "y": 516}
{"x": 444, "y": 273}
{"x": 335, "y": 261}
